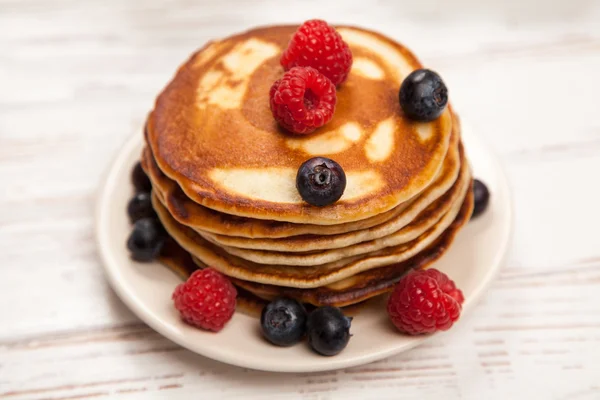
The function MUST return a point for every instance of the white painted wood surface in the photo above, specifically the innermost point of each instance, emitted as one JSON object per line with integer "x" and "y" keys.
{"x": 77, "y": 78}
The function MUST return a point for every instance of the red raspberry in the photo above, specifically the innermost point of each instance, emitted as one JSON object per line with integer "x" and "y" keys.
{"x": 425, "y": 301}
{"x": 303, "y": 100}
{"x": 206, "y": 300}
{"x": 318, "y": 45}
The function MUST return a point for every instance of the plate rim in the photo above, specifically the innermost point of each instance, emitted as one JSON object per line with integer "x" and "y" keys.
{"x": 111, "y": 271}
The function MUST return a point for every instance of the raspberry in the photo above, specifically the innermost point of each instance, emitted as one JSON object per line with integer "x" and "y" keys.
{"x": 206, "y": 300}
{"x": 318, "y": 45}
{"x": 425, "y": 301}
{"x": 303, "y": 100}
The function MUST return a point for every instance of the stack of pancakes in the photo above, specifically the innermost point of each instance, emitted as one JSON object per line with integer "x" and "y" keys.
{"x": 223, "y": 173}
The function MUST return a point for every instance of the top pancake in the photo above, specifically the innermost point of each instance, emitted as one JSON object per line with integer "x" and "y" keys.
{"x": 213, "y": 133}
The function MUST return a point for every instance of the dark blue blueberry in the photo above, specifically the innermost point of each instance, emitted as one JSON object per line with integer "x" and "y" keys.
{"x": 328, "y": 330}
{"x": 283, "y": 321}
{"x": 140, "y": 206}
{"x": 320, "y": 181}
{"x": 140, "y": 179}
{"x": 146, "y": 239}
{"x": 423, "y": 95}
{"x": 481, "y": 195}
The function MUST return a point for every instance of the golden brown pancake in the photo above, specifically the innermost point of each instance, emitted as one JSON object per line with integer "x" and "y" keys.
{"x": 212, "y": 132}
{"x": 354, "y": 290}
{"x": 294, "y": 276}
{"x": 227, "y": 229}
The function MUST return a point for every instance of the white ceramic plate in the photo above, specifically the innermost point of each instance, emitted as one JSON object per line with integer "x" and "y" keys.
{"x": 472, "y": 262}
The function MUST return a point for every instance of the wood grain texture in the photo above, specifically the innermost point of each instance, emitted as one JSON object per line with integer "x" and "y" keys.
{"x": 77, "y": 78}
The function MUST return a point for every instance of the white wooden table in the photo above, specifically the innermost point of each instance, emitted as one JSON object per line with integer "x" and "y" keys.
{"x": 77, "y": 78}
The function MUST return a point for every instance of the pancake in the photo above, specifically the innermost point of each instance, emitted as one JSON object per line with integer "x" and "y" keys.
{"x": 293, "y": 276}
{"x": 212, "y": 132}
{"x": 350, "y": 291}
{"x": 226, "y": 229}
{"x": 442, "y": 212}
{"x": 313, "y": 243}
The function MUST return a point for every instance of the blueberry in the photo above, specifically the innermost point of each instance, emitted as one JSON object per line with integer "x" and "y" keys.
{"x": 283, "y": 321}
{"x": 146, "y": 239}
{"x": 481, "y": 196}
{"x": 140, "y": 179}
{"x": 328, "y": 330}
{"x": 423, "y": 95}
{"x": 140, "y": 206}
{"x": 320, "y": 181}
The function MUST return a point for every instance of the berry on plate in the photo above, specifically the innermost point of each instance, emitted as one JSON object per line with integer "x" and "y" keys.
{"x": 481, "y": 196}
{"x": 283, "y": 321}
{"x": 425, "y": 301}
{"x": 146, "y": 240}
{"x": 140, "y": 179}
{"x": 140, "y": 206}
{"x": 320, "y": 181}
{"x": 318, "y": 45}
{"x": 328, "y": 330}
{"x": 423, "y": 95}
{"x": 303, "y": 100}
{"x": 206, "y": 300}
